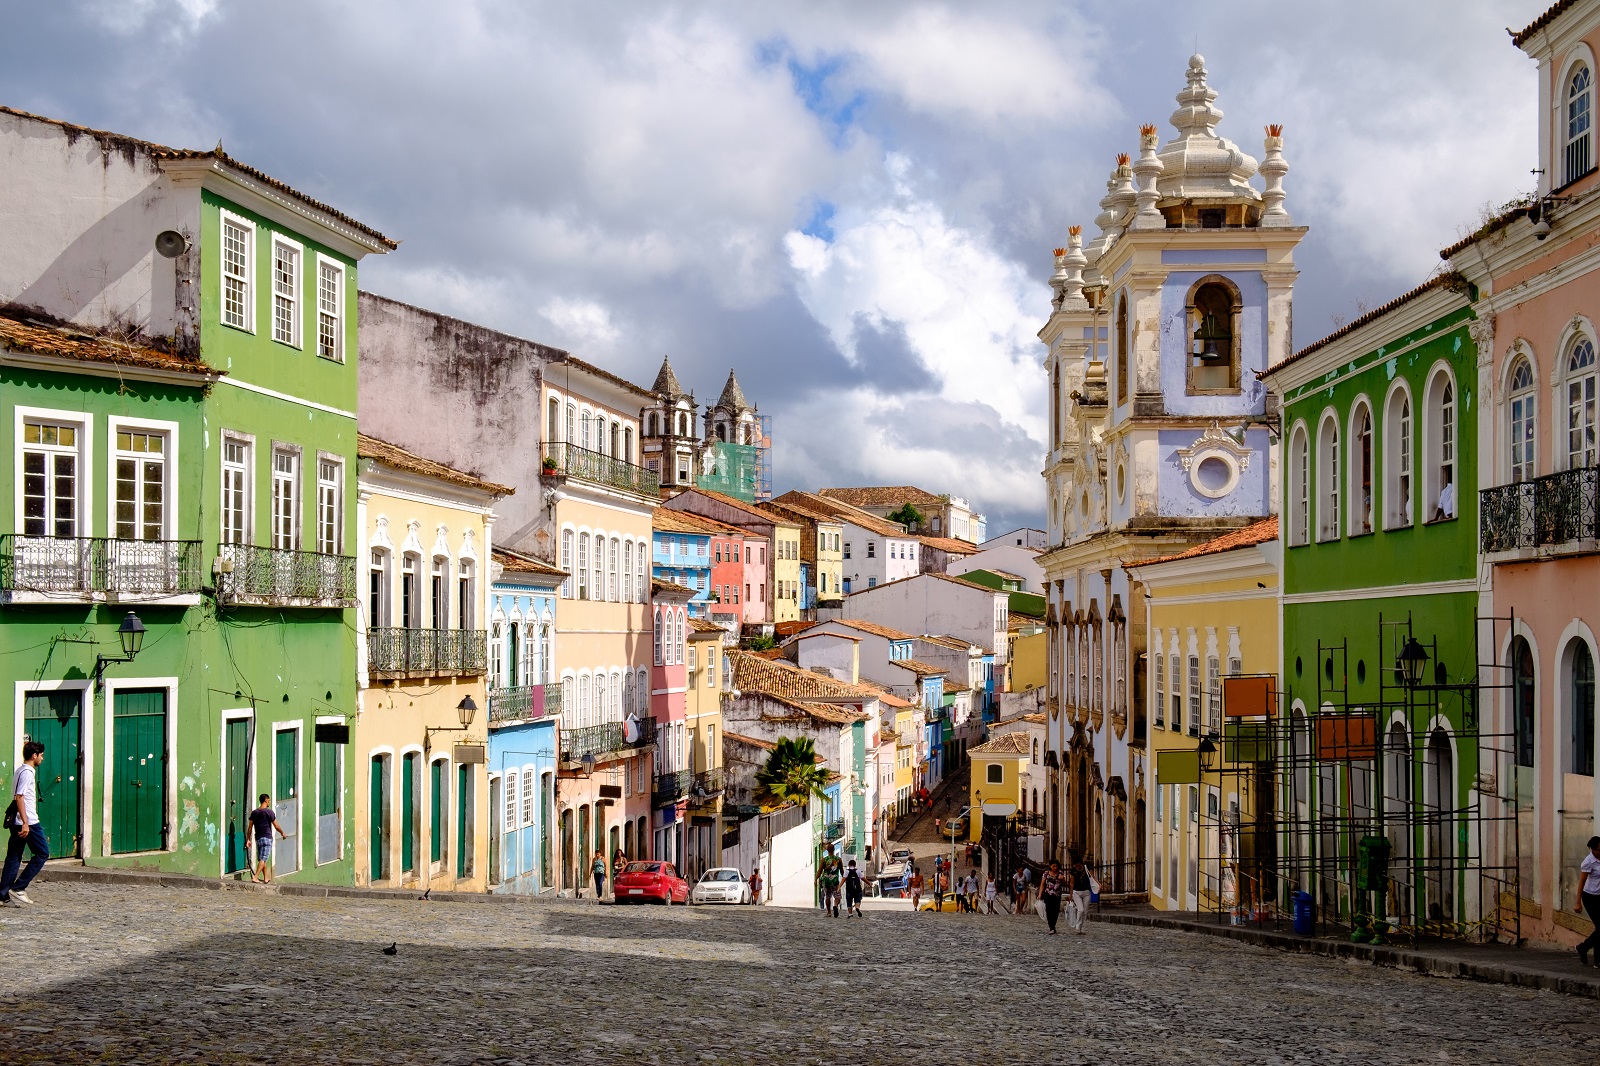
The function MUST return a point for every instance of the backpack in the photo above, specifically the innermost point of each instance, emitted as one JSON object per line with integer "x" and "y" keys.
{"x": 853, "y": 879}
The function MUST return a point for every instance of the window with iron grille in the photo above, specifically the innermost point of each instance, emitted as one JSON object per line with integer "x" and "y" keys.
{"x": 1579, "y": 158}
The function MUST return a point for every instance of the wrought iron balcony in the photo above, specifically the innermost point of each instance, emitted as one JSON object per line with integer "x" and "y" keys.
{"x": 671, "y": 787}
{"x": 598, "y": 740}
{"x": 277, "y": 577}
{"x": 1551, "y": 510}
{"x": 97, "y": 567}
{"x": 568, "y": 460}
{"x": 426, "y": 652}
{"x": 524, "y": 703}
{"x": 834, "y": 830}
{"x": 707, "y": 786}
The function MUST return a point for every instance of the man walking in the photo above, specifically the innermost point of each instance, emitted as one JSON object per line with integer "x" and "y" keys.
{"x": 23, "y": 821}
{"x": 1588, "y": 899}
{"x": 914, "y": 882}
{"x": 263, "y": 820}
{"x": 970, "y": 891}
{"x": 829, "y": 871}
{"x": 1050, "y": 895}
{"x": 941, "y": 881}
{"x": 755, "y": 886}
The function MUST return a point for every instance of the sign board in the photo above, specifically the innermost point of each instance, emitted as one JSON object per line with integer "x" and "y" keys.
{"x": 611, "y": 792}
{"x": 999, "y": 810}
{"x": 1178, "y": 767}
{"x": 333, "y": 733}
{"x": 468, "y": 754}
{"x": 1343, "y": 737}
{"x": 1247, "y": 697}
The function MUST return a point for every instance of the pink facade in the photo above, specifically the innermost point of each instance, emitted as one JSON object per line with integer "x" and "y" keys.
{"x": 669, "y": 680}
{"x": 1538, "y": 301}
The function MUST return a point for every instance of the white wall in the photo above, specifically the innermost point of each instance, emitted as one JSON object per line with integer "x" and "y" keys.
{"x": 1009, "y": 558}
{"x": 929, "y": 604}
{"x": 792, "y": 879}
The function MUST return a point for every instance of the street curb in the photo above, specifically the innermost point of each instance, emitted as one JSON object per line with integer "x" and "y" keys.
{"x": 1397, "y": 958}
{"x": 89, "y": 875}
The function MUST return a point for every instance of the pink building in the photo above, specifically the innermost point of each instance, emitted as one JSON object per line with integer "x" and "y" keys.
{"x": 669, "y": 680}
{"x": 1538, "y": 302}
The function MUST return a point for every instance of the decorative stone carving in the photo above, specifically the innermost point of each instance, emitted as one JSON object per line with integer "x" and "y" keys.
{"x": 1199, "y": 164}
{"x": 1148, "y": 169}
{"x": 1273, "y": 168}
{"x": 1214, "y": 462}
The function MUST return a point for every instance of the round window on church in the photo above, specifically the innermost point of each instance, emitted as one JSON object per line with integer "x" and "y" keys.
{"x": 1214, "y": 475}
{"x": 1122, "y": 481}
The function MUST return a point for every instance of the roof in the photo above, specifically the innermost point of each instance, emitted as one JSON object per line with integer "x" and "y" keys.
{"x": 394, "y": 455}
{"x": 784, "y": 680}
{"x": 953, "y": 643}
{"x": 699, "y": 627}
{"x": 666, "y": 381}
{"x": 70, "y": 342}
{"x": 884, "y": 496}
{"x": 1518, "y": 209}
{"x": 1006, "y": 744}
{"x": 937, "y": 577}
{"x": 1259, "y": 533}
{"x": 950, "y": 544}
{"x": 756, "y": 742}
{"x": 837, "y": 510}
{"x": 520, "y": 563}
{"x": 1350, "y": 327}
{"x": 161, "y": 151}
{"x": 605, "y": 375}
{"x": 832, "y": 713}
{"x": 872, "y": 627}
{"x": 667, "y": 520}
{"x": 749, "y": 509}
{"x": 1551, "y": 13}
{"x": 1032, "y": 717}
{"x": 1015, "y": 622}
{"x": 920, "y": 668}
{"x": 667, "y": 588}
{"x": 732, "y": 394}
{"x": 789, "y": 629}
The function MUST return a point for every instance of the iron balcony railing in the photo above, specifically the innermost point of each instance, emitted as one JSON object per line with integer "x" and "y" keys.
{"x": 569, "y": 460}
{"x": 86, "y": 566}
{"x": 521, "y": 703}
{"x": 834, "y": 830}
{"x": 597, "y": 740}
{"x": 671, "y": 787}
{"x": 707, "y": 786}
{"x": 1549, "y": 510}
{"x": 279, "y": 577}
{"x": 427, "y": 652}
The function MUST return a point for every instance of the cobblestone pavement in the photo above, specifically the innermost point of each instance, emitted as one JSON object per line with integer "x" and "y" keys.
{"x": 149, "y": 975}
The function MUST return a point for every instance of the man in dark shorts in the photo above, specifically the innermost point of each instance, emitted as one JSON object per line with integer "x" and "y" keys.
{"x": 263, "y": 820}
{"x": 853, "y": 891}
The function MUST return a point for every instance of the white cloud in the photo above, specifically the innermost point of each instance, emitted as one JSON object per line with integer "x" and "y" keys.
{"x": 177, "y": 17}
{"x": 585, "y": 322}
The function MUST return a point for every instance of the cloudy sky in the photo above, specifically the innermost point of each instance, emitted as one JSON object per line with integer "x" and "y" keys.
{"x": 851, "y": 203}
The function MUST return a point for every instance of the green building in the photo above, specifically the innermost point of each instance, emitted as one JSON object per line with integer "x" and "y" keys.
{"x": 1379, "y": 521}
{"x": 178, "y": 397}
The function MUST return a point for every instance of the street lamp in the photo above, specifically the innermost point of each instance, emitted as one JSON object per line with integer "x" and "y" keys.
{"x": 131, "y": 635}
{"x": 1409, "y": 665}
{"x": 466, "y": 712}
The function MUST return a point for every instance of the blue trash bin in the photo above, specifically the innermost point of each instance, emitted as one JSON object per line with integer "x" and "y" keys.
{"x": 1302, "y": 914}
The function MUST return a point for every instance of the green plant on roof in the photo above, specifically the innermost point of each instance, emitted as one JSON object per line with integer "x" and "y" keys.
{"x": 791, "y": 774}
{"x": 907, "y": 516}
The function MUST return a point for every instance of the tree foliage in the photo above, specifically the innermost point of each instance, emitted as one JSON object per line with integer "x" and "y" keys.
{"x": 907, "y": 516}
{"x": 791, "y": 774}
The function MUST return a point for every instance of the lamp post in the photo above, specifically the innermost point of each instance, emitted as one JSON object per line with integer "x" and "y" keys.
{"x": 131, "y": 635}
{"x": 466, "y": 713}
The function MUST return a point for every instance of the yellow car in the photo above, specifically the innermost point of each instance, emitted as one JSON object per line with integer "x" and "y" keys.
{"x": 950, "y": 905}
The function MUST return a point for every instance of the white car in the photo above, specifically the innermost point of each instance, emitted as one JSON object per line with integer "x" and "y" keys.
{"x": 721, "y": 885}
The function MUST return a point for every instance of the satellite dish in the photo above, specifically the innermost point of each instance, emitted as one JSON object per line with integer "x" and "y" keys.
{"x": 171, "y": 244}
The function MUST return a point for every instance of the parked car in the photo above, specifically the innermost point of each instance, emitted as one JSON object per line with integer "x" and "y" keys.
{"x": 658, "y": 881}
{"x": 723, "y": 884}
{"x": 899, "y": 855}
{"x": 955, "y": 827}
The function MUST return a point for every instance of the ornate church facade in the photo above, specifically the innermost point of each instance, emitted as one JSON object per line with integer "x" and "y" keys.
{"x": 1162, "y": 437}
{"x": 722, "y": 452}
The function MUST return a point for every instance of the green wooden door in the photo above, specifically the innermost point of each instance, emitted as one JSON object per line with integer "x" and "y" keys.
{"x": 236, "y": 738}
{"x": 408, "y": 813}
{"x": 330, "y": 801}
{"x": 463, "y": 845}
{"x": 53, "y": 719}
{"x": 437, "y": 784}
{"x": 286, "y": 799}
{"x": 139, "y": 771}
{"x": 377, "y": 844}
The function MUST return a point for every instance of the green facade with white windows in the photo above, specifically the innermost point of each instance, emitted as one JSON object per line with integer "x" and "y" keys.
{"x": 1379, "y": 525}
{"x": 207, "y": 487}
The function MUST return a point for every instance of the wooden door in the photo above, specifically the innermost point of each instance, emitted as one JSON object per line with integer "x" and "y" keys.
{"x": 54, "y": 719}
{"x": 139, "y": 773}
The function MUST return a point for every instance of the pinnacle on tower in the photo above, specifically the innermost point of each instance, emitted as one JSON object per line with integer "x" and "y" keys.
{"x": 666, "y": 381}
{"x": 733, "y": 396}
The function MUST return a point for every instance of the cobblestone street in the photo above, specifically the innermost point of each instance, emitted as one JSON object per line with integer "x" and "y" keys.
{"x": 147, "y": 975}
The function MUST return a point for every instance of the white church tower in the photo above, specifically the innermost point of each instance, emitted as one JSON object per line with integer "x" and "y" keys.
{"x": 1161, "y": 434}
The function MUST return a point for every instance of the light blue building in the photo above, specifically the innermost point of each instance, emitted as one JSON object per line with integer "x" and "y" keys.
{"x": 524, "y": 723}
{"x": 681, "y": 555}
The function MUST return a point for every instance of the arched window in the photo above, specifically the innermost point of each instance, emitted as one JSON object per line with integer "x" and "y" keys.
{"x": 530, "y": 649}
{"x": 640, "y": 587}
{"x": 1523, "y": 427}
{"x": 1299, "y": 486}
{"x": 1214, "y": 307}
{"x": 547, "y": 663}
{"x": 571, "y": 436}
{"x": 583, "y": 566}
{"x": 567, "y": 539}
{"x": 553, "y": 430}
{"x": 1580, "y": 697}
{"x": 660, "y": 638}
{"x": 497, "y": 655}
{"x": 1579, "y": 157}
{"x": 1439, "y": 487}
{"x": 1055, "y": 408}
{"x": 627, "y": 444}
{"x": 1524, "y": 704}
{"x": 1580, "y": 405}
{"x": 597, "y": 572}
{"x": 599, "y": 434}
{"x": 1328, "y": 479}
{"x": 1361, "y": 470}
{"x": 1397, "y": 444}
{"x": 513, "y": 647}
{"x": 641, "y": 693}
{"x": 1122, "y": 349}
{"x": 586, "y": 431}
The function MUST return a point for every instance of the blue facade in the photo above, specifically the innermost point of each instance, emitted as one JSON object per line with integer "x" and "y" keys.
{"x": 808, "y": 588}
{"x": 524, "y": 723}
{"x": 989, "y": 710}
{"x": 684, "y": 559}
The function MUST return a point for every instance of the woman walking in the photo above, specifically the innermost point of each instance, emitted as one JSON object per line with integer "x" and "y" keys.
{"x": 599, "y": 871}
{"x": 1080, "y": 896}
{"x": 1050, "y": 895}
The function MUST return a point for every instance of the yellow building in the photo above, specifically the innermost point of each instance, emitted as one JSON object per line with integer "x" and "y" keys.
{"x": 703, "y": 719}
{"x": 422, "y": 711}
{"x": 1030, "y": 647}
{"x": 1001, "y": 773}
{"x": 1212, "y": 617}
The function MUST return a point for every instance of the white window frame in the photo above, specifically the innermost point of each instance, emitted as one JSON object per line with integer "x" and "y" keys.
{"x": 1522, "y": 421}
{"x": 169, "y": 472}
{"x": 297, "y": 505}
{"x": 1362, "y": 513}
{"x": 1566, "y": 120}
{"x": 1299, "y": 493}
{"x": 1329, "y": 485}
{"x": 335, "y": 546}
{"x": 1439, "y": 450}
{"x": 83, "y": 427}
{"x": 247, "y": 278}
{"x": 1399, "y": 457}
{"x": 1585, "y": 381}
{"x": 338, "y": 315}
{"x": 295, "y": 298}
{"x": 247, "y": 472}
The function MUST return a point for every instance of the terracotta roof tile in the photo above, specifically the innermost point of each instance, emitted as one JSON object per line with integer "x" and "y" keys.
{"x": 700, "y": 625}
{"x": 750, "y": 509}
{"x": 951, "y": 545}
{"x": 667, "y": 588}
{"x": 921, "y": 669}
{"x": 754, "y": 674}
{"x": 837, "y": 510}
{"x": 1554, "y": 11}
{"x": 874, "y": 628}
{"x": 953, "y": 643}
{"x": 605, "y": 375}
{"x": 1251, "y": 535}
{"x": 669, "y": 521}
{"x": 394, "y": 455}
{"x": 519, "y": 563}
{"x": 884, "y": 496}
{"x": 1439, "y": 281}
{"x": 67, "y": 342}
{"x": 1019, "y": 743}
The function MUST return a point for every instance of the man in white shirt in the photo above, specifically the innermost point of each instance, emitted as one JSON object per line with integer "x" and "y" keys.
{"x": 1589, "y": 899}
{"x": 25, "y": 830}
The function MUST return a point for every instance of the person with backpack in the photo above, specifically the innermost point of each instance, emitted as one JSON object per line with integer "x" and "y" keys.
{"x": 853, "y": 891}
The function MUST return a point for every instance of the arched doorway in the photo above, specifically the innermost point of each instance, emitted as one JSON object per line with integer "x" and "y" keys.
{"x": 1397, "y": 814}
{"x": 1438, "y": 798}
{"x": 567, "y": 879}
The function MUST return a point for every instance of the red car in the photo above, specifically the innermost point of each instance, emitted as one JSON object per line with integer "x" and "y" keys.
{"x": 658, "y": 881}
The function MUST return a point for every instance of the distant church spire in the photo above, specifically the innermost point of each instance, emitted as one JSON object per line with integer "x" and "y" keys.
{"x": 666, "y": 381}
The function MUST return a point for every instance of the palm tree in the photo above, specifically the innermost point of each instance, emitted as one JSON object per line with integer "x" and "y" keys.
{"x": 792, "y": 774}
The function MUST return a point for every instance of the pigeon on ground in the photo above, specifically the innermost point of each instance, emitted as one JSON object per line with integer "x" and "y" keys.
{"x": 426, "y": 894}
{"x": 392, "y": 949}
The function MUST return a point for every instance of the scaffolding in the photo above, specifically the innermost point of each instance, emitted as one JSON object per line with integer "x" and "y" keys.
{"x": 1396, "y": 819}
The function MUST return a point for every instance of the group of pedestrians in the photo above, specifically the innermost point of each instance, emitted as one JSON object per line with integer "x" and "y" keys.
{"x": 1075, "y": 886}
{"x": 833, "y": 879}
